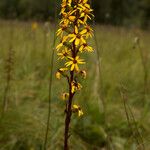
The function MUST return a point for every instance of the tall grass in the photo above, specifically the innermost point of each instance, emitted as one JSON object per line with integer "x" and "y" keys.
{"x": 131, "y": 121}
{"x": 9, "y": 66}
{"x": 50, "y": 77}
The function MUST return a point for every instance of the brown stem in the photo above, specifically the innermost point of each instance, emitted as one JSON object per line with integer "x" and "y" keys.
{"x": 68, "y": 114}
{"x": 69, "y": 104}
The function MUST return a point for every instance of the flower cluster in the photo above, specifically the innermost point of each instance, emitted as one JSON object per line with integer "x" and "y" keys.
{"x": 74, "y": 32}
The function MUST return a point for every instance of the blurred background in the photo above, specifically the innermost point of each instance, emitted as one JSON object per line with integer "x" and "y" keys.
{"x": 115, "y": 12}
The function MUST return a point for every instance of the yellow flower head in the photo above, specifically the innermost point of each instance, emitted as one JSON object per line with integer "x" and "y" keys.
{"x": 77, "y": 36}
{"x": 60, "y": 31}
{"x": 65, "y": 96}
{"x": 89, "y": 31}
{"x": 64, "y": 53}
{"x": 65, "y": 4}
{"x": 58, "y": 75}
{"x": 83, "y": 73}
{"x": 62, "y": 43}
{"x": 60, "y": 72}
{"x": 77, "y": 109}
{"x": 75, "y": 87}
{"x": 73, "y": 62}
{"x": 68, "y": 18}
{"x": 85, "y": 47}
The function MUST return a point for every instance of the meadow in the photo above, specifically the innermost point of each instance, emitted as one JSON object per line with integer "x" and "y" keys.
{"x": 115, "y": 96}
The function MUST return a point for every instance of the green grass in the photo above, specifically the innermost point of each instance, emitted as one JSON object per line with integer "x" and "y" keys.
{"x": 23, "y": 125}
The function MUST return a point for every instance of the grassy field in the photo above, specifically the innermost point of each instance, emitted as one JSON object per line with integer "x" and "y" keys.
{"x": 120, "y": 123}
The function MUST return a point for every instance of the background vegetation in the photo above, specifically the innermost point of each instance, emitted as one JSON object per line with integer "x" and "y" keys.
{"x": 116, "y": 12}
{"x": 23, "y": 125}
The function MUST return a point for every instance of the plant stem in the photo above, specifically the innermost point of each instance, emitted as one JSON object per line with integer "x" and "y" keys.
{"x": 50, "y": 80}
{"x": 68, "y": 118}
{"x": 144, "y": 64}
{"x": 9, "y": 69}
{"x": 132, "y": 122}
{"x": 68, "y": 112}
{"x": 69, "y": 104}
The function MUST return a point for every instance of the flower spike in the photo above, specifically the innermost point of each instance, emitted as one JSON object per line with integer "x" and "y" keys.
{"x": 74, "y": 32}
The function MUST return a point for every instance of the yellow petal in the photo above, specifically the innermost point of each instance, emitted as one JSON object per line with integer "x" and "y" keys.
{"x": 72, "y": 67}
{"x": 81, "y": 48}
{"x": 65, "y": 96}
{"x": 72, "y": 89}
{"x": 70, "y": 58}
{"x": 59, "y": 46}
{"x": 81, "y": 61}
{"x": 76, "y": 30}
{"x": 80, "y": 113}
{"x": 68, "y": 63}
{"x": 75, "y": 106}
{"x": 83, "y": 40}
{"x": 63, "y": 69}
{"x": 77, "y": 57}
{"x": 72, "y": 39}
{"x": 76, "y": 67}
{"x": 90, "y": 49}
{"x": 77, "y": 41}
{"x": 83, "y": 31}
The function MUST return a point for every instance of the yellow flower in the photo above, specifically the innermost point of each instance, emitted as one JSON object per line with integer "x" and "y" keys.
{"x": 83, "y": 74}
{"x": 58, "y": 75}
{"x": 89, "y": 31}
{"x": 34, "y": 26}
{"x": 74, "y": 63}
{"x": 77, "y": 36}
{"x": 85, "y": 47}
{"x": 84, "y": 6}
{"x": 80, "y": 21}
{"x": 85, "y": 10}
{"x": 75, "y": 87}
{"x": 65, "y": 96}
{"x": 77, "y": 109}
{"x": 68, "y": 17}
{"x": 65, "y": 4}
{"x": 61, "y": 30}
{"x": 60, "y": 72}
{"x": 62, "y": 43}
{"x": 65, "y": 52}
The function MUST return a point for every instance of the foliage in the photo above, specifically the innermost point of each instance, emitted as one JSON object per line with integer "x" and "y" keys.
{"x": 117, "y": 12}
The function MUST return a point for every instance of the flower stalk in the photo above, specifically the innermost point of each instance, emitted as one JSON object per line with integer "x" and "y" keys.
{"x": 74, "y": 32}
{"x": 9, "y": 68}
